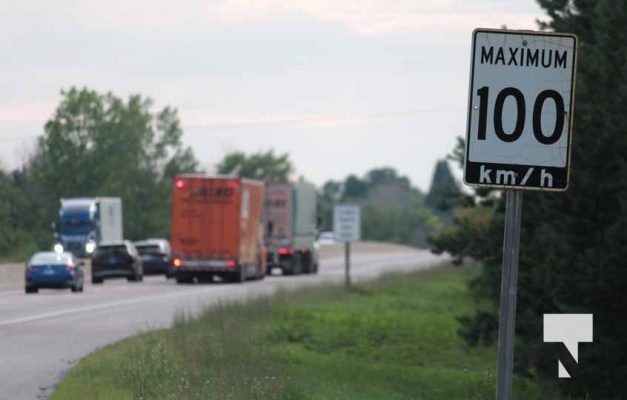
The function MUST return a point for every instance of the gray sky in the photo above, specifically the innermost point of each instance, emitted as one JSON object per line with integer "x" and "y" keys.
{"x": 343, "y": 86}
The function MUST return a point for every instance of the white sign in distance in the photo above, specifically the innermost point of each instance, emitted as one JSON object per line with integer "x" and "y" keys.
{"x": 520, "y": 109}
{"x": 347, "y": 223}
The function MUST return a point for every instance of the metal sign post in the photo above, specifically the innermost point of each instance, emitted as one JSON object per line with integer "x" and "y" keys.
{"x": 509, "y": 288}
{"x": 347, "y": 262}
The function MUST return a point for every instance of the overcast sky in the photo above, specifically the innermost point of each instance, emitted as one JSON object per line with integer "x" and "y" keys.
{"x": 343, "y": 86}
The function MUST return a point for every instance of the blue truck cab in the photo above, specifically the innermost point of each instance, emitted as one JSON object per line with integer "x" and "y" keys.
{"x": 86, "y": 221}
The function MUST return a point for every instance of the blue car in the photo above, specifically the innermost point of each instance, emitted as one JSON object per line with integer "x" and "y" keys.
{"x": 55, "y": 271}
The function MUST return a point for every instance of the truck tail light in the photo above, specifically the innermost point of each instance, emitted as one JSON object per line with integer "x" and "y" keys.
{"x": 284, "y": 251}
{"x": 231, "y": 263}
{"x": 177, "y": 262}
{"x": 180, "y": 183}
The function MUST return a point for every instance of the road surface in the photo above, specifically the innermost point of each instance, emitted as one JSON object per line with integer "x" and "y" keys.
{"x": 43, "y": 335}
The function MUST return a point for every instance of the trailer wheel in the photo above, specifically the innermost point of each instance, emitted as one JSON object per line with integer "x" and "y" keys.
{"x": 297, "y": 263}
{"x": 184, "y": 278}
{"x": 315, "y": 268}
{"x": 260, "y": 272}
{"x": 237, "y": 276}
{"x": 307, "y": 263}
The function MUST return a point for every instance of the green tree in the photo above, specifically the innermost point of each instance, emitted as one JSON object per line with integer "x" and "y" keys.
{"x": 573, "y": 244}
{"x": 100, "y": 145}
{"x": 444, "y": 194}
{"x": 392, "y": 210}
{"x": 262, "y": 165}
{"x": 354, "y": 188}
{"x": 331, "y": 194}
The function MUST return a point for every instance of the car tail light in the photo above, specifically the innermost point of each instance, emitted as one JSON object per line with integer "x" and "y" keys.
{"x": 69, "y": 267}
{"x": 284, "y": 251}
{"x": 177, "y": 262}
{"x": 29, "y": 267}
{"x": 231, "y": 263}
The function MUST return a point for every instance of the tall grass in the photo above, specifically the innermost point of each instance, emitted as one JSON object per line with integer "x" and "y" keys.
{"x": 392, "y": 339}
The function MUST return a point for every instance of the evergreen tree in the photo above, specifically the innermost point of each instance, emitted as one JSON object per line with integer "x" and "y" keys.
{"x": 444, "y": 194}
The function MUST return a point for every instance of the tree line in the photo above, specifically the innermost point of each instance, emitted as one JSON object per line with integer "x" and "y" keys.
{"x": 95, "y": 145}
{"x": 99, "y": 144}
{"x": 392, "y": 209}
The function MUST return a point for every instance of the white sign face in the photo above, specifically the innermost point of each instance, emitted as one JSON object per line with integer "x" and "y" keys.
{"x": 520, "y": 109}
{"x": 347, "y": 222}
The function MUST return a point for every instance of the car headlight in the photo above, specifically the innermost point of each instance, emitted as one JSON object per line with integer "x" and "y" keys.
{"x": 58, "y": 248}
{"x": 90, "y": 247}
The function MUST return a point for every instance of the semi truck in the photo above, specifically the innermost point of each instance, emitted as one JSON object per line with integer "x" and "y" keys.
{"x": 84, "y": 222}
{"x": 291, "y": 226}
{"x": 217, "y": 228}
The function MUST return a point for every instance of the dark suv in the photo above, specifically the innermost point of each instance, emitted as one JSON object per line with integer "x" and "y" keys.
{"x": 155, "y": 255}
{"x": 116, "y": 260}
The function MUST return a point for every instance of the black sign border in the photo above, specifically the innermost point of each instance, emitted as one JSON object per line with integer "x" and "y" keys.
{"x": 515, "y": 167}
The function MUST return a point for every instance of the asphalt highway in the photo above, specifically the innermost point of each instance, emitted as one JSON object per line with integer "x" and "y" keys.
{"x": 43, "y": 335}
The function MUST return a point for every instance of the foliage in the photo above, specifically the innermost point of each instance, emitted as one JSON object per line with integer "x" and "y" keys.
{"x": 408, "y": 226}
{"x": 444, "y": 195}
{"x": 573, "y": 244}
{"x": 100, "y": 145}
{"x": 261, "y": 165}
{"x": 390, "y": 339}
{"x": 392, "y": 210}
{"x": 330, "y": 195}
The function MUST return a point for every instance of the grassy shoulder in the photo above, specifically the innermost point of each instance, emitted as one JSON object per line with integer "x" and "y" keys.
{"x": 394, "y": 338}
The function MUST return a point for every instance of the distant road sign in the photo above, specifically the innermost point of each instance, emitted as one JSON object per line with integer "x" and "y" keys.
{"x": 520, "y": 109}
{"x": 347, "y": 222}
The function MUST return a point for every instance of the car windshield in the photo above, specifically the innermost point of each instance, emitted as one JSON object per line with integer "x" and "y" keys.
{"x": 108, "y": 250}
{"x": 51, "y": 258}
{"x": 149, "y": 249}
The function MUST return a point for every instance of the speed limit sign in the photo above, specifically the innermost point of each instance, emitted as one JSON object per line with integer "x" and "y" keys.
{"x": 520, "y": 109}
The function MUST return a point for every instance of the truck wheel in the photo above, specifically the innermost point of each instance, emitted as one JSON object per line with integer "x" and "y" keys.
{"x": 237, "y": 277}
{"x": 297, "y": 263}
{"x": 184, "y": 278}
{"x": 307, "y": 263}
{"x": 315, "y": 268}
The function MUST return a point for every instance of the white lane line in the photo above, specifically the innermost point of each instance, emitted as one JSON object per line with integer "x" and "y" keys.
{"x": 77, "y": 310}
{"x": 97, "y": 307}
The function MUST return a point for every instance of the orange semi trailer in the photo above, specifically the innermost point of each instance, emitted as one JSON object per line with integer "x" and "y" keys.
{"x": 217, "y": 228}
